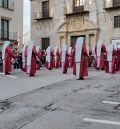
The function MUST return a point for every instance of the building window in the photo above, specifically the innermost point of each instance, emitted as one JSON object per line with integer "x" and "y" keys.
{"x": 116, "y": 21}
{"x": 45, "y": 43}
{"x": 4, "y": 29}
{"x": 5, "y": 3}
{"x": 116, "y": 3}
{"x": 45, "y": 9}
{"x": 78, "y": 5}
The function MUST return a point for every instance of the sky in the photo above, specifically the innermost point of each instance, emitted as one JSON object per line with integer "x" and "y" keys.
{"x": 26, "y": 27}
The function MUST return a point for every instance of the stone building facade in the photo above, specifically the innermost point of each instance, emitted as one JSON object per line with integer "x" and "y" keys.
{"x": 67, "y": 20}
{"x": 11, "y": 22}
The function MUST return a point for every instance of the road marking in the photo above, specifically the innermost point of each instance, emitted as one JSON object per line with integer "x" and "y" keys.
{"x": 8, "y": 75}
{"x": 57, "y": 70}
{"x": 108, "y": 102}
{"x": 2, "y": 74}
{"x": 102, "y": 121}
{"x": 11, "y": 76}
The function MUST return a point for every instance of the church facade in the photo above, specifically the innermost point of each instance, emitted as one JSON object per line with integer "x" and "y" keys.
{"x": 58, "y": 22}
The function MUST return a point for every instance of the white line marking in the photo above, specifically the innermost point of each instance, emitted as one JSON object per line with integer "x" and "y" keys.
{"x": 2, "y": 74}
{"x": 113, "y": 103}
{"x": 102, "y": 121}
{"x": 8, "y": 75}
{"x": 11, "y": 76}
{"x": 57, "y": 70}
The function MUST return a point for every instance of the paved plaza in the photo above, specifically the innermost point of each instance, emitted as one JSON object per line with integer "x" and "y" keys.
{"x": 51, "y": 100}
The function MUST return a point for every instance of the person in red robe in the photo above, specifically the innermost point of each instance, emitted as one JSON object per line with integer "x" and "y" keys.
{"x": 60, "y": 53}
{"x": 39, "y": 52}
{"x": 46, "y": 59}
{"x": 64, "y": 59}
{"x": 57, "y": 57}
{"x": 74, "y": 64}
{"x": 101, "y": 55}
{"x": 49, "y": 58}
{"x": 81, "y": 59}
{"x": 111, "y": 60}
{"x": 24, "y": 57}
{"x": 7, "y": 54}
{"x": 31, "y": 59}
{"x": 70, "y": 56}
{"x": 118, "y": 58}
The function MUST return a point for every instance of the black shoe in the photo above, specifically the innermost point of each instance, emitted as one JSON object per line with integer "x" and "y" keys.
{"x": 7, "y": 73}
{"x": 31, "y": 75}
{"x": 103, "y": 69}
{"x": 81, "y": 78}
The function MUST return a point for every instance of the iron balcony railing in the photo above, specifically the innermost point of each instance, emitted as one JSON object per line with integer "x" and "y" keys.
{"x": 5, "y": 35}
{"x": 40, "y": 15}
{"x": 76, "y": 9}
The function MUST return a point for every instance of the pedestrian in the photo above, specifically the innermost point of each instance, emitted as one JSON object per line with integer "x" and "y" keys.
{"x": 7, "y": 54}
{"x": 24, "y": 57}
{"x": 19, "y": 60}
{"x": 90, "y": 58}
{"x": 43, "y": 57}
{"x": 31, "y": 59}
{"x": 39, "y": 57}
{"x": 60, "y": 53}
{"x": 15, "y": 62}
{"x": 117, "y": 58}
{"x": 111, "y": 60}
{"x": 57, "y": 56}
{"x": 49, "y": 58}
{"x": 101, "y": 55}
{"x": 64, "y": 59}
{"x": 81, "y": 59}
{"x": 72, "y": 57}
{"x": 94, "y": 53}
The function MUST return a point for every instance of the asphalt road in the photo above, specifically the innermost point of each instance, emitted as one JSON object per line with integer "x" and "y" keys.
{"x": 66, "y": 104}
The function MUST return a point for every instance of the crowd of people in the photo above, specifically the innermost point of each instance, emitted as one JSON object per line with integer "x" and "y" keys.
{"x": 78, "y": 58}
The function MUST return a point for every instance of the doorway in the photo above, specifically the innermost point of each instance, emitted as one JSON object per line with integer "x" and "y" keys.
{"x": 91, "y": 41}
{"x": 62, "y": 41}
{"x": 74, "y": 39}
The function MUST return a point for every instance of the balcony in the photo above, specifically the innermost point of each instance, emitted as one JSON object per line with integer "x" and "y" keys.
{"x": 78, "y": 10}
{"x": 110, "y": 5}
{"x": 9, "y": 5}
{"x": 5, "y": 35}
{"x": 39, "y": 16}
